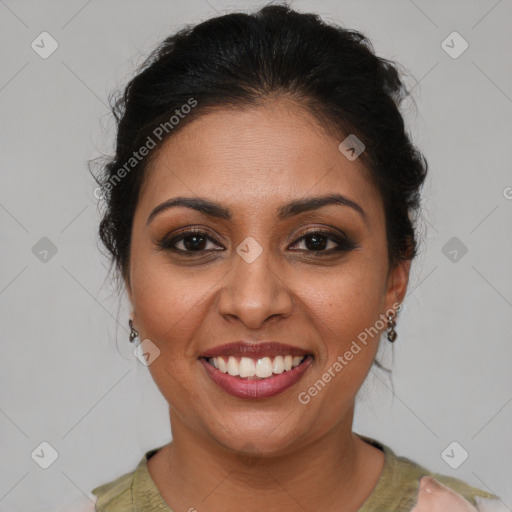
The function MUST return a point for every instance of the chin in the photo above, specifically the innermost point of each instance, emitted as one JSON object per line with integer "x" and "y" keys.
{"x": 256, "y": 443}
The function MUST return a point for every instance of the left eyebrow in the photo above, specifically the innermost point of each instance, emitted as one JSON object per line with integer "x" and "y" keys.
{"x": 285, "y": 211}
{"x": 313, "y": 203}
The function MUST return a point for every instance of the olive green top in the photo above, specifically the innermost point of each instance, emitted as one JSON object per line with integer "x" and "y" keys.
{"x": 396, "y": 490}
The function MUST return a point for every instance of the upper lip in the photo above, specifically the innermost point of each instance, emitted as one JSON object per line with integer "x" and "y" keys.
{"x": 254, "y": 350}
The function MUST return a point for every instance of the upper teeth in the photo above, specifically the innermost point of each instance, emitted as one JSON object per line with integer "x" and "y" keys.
{"x": 262, "y": 368}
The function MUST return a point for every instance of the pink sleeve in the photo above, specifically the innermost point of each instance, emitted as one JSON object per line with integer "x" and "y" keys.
{"x": 433, "y": 496}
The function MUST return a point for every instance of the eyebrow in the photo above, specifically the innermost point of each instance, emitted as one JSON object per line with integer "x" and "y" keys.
{"x": 285, "y": 211}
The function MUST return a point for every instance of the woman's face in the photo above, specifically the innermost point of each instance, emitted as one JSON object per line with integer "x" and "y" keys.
{"x": 257, "y": 276}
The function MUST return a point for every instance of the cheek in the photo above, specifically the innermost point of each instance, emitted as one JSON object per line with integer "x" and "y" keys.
{"x": 166, "y": 298}
{"x": 346, "y": 312}
{"x": 166, "y": 303}
{"x": 347, "y": 303}
{"x": 168, "y": 312}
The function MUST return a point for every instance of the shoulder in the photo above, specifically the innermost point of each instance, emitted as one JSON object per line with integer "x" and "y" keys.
{"x": 400, "y": 482}
{"x": 417, "y": 471}
{"x": 411, "y": 474}
{"x": 121, "y": 494}
{"x": 436, "y": 497}
{"x": 116, "y": 495}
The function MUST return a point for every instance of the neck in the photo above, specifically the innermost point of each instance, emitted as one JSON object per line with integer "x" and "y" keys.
{"x": 192, "y": 472}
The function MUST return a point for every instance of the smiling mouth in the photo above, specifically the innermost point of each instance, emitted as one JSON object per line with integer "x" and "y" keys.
{"x": 246, "y": 368}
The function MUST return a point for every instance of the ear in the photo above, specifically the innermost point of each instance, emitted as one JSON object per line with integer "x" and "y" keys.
{"x": 398, "y": 278}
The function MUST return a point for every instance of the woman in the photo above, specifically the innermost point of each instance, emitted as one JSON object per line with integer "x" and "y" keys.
{"x": 258, "y": 212}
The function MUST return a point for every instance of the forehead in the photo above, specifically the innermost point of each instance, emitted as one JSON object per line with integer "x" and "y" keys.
{"x": 256, "y": 159}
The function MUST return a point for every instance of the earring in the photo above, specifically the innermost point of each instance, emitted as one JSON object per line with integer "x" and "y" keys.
{"x": 391, "y": 333}
{"x": 133, "y": 332}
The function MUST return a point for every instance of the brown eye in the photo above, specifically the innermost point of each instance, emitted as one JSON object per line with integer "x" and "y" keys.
{"x": 192, "y": 241}
{"x": 325, "y": 241}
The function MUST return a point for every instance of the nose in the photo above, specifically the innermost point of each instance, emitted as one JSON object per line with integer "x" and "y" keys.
{"x": 255, "y": 291}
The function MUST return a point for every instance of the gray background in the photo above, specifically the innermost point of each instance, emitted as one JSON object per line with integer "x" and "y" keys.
{"x": 67, "y": 373}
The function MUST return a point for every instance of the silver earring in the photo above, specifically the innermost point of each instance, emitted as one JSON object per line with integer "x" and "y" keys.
{"x": 133, "y": 332}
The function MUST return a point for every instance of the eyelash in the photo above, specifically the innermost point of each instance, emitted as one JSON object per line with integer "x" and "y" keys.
{"x": 345, "y": 243}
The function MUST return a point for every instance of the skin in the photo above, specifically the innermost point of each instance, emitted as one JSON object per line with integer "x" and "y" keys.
{"x": 227, "y": 450}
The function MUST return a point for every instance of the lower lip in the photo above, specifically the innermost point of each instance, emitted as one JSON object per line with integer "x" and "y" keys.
{"x": 257, "y": 388}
